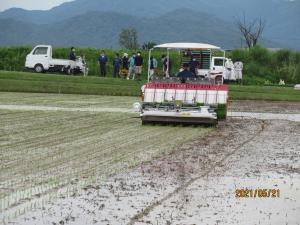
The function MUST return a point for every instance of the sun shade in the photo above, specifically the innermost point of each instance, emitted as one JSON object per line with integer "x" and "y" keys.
{"x": 187, "y": 46}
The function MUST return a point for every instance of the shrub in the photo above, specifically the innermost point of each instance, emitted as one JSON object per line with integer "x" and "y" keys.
{"x": 259, "y": 63}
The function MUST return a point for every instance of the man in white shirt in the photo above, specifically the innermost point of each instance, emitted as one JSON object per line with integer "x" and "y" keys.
{"x": 229, "y": 70}
{"x": 238, "y": 68}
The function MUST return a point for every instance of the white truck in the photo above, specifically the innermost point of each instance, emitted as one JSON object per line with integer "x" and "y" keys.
{"x": 221, "y": 66}
{"x": 40, "y": 60}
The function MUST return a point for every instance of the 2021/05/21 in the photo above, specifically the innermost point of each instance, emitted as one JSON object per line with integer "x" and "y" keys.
{"x": 257, "y": 193}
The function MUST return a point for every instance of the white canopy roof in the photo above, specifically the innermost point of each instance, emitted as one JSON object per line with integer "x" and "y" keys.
{"x": 187, "y": 46}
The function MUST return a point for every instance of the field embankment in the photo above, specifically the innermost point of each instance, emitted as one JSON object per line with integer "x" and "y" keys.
{"x": 52, "y": 83}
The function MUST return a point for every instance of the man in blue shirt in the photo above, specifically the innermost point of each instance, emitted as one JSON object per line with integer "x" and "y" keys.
{"x": 185, "y": 74}
{"x": 117, "y": 64}
{"x": 153, "y": 65}
{"x": 102, "y": 63}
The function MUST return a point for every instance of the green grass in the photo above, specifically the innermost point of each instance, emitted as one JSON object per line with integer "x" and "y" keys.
{"x": 270, "y": 93}
{"x": 52, "y": 83}
{"x": 221, "y": 111}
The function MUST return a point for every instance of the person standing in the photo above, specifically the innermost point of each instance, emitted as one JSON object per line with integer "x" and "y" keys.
{"x": 164, "y": 68}
{"x": 185, "y": 73}
{"x": 131, "y": 69}
{"x": 194, "y": 64}
{"x": 238, "y": 69}
{"x": 116, "y": 65}
{"x": 125, "y": 66}
{"x": 229, "y": 70}
{"x": 138, "y": 65}
{"x": 153, "y": 65}
{"x": 72, "y": 55}
{"x": 102, "y": 63}
{"x": 167, "y": 65}
{"x": 83, "y": 63}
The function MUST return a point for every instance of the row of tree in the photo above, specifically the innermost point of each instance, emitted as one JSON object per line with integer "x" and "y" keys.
{"x": 251, "y": 32}
{"x": 128, "y": 39}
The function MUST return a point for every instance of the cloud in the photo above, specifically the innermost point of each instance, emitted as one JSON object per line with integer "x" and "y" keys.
{"x": 30, "y": 4}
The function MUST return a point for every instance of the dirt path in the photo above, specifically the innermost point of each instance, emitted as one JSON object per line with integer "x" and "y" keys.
{"x": 64, "y": 109}
{"x": 196, "y": 183}
{"x": 98, "y": 101}
{"x": 254, "y": 115}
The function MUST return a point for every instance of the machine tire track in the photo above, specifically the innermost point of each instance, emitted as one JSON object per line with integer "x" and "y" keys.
{"x": 157, "y": 203}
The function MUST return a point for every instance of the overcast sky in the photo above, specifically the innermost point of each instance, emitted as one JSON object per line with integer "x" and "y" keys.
{"x": 30, "y": 4}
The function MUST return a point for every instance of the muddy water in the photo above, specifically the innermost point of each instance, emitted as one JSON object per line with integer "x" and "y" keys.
{"x": 265, "y": 116}
{"x": 264, "y": 106}
{"x": 269, "y": 161}
{"x": 257, "y": 148}
{"x": 252, "y": 115}
{"x": 196, "y": 183}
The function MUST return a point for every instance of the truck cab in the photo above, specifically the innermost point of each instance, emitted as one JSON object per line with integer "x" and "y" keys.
{"x": 39, "y": 58}
{"x": 218, "y": 64}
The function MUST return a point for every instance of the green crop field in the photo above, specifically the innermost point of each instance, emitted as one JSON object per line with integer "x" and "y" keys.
{"x": 260, "y": 65}
{"x": 43, "y": 151}
{"x": 52, "y": 83}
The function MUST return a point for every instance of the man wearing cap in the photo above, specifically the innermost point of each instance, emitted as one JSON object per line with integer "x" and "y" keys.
{"x": 185, "y": 74}
{"x": 72, "y": 55}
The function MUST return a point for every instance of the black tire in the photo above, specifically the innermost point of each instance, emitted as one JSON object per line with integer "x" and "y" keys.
{"x": 38, "y": 68}
{"x": 68, "y": 70}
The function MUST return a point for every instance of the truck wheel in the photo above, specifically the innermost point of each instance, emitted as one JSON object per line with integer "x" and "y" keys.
{"x": 39, "y": 68}
{"x": 68, "y": 70}
{"x": 219, "y": 80}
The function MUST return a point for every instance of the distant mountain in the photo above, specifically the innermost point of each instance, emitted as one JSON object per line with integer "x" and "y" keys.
{"x": 14, "y": 32}
{"x": 95, "y": 29}
{"x": 282, "y": 17}
{"x": 227, "y": 10}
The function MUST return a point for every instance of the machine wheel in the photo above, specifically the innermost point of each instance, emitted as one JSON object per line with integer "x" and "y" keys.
{"x": 39, "y": 68}
{"x": 219, "y": 80}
